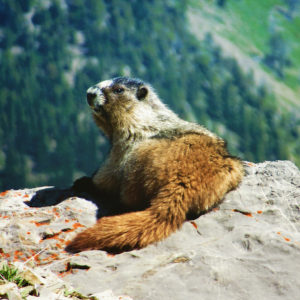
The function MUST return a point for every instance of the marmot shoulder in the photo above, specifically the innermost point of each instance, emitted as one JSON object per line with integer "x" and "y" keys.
{"x": 161, "y": 169}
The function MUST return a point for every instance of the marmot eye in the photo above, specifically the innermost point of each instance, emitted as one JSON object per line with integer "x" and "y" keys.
{"x": 118, "y": 91}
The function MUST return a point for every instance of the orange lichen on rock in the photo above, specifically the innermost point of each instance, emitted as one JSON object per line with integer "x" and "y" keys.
{"x": 18, "y": 253}
{"x": 19, "y": 256}
{"x": 67, "y": 242}
{"x": 77, "y": 225}
{"x": 285, "y": 238}
{"x": 245, "y": 213}
{"x": 194, "y": 224}
{"x": 59, "y": 246}
{"x": 40, "y": 223}
{"x": 54, "y": 256}
{"x": 58, "y": 239}
{"x": 3, "y": 254}
{"x": 55, "y": 211}
{"x": 37, "y": 258}
{"x": 4, "y": 193}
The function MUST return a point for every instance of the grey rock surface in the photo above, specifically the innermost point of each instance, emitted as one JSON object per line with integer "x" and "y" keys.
{"x": 247, "y": 248}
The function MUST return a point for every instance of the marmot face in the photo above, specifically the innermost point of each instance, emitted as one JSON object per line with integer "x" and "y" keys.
{"x": 123, "y": 103}
{"x": 119, "y": 91}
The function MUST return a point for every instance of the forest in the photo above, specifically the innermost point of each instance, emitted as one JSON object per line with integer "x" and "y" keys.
{"x": 52, "y": 51}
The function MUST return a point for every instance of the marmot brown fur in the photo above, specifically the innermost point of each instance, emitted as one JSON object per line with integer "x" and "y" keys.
{"x": 161, "y": 168}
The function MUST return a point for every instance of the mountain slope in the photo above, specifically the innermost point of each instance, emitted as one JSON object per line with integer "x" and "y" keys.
{"x": 52, "y": 51}
{"x": 243, "y": 30}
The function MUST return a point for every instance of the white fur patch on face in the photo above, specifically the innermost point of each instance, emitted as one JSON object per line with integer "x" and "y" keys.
{"x": 92, "y": 90}
{"x": 104, "y": 84}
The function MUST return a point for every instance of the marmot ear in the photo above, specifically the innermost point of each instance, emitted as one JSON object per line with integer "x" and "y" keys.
{"x": 141, "y": 92}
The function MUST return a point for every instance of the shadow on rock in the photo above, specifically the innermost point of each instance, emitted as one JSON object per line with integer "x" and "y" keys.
{"x": 53, "y": 196}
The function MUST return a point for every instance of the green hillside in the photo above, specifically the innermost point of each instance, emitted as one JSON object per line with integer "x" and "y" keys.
{"x": 52, "y": 51}
{"x": 253, "y": 32}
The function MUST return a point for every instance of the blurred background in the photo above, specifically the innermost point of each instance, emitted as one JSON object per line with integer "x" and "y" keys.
{"x": 231, "y": 65}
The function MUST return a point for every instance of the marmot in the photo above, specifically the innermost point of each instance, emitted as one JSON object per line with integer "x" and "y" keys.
{"x": 161, "y": 169}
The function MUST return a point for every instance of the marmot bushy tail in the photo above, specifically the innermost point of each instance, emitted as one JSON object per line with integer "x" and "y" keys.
{"x": 130, "y": 230}
{"x": 160, "y": 167}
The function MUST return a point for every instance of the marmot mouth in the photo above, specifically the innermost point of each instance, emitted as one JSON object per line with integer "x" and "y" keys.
{"x": 97, "y": 104}
{"x": 100, "y": 112}
{"x": 98, "y": 109}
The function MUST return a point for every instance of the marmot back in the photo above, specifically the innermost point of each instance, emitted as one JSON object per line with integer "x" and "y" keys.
{"x": 160, "y": 169}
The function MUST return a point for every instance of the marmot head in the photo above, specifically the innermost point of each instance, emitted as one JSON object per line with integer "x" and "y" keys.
{"x": 126, "y": 106}
{"x": 120, "y": 91}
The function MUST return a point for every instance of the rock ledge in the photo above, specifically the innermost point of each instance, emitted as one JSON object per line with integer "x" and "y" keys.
{"x": 247, "y": 248}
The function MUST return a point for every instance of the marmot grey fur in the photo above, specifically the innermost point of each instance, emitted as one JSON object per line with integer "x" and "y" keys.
{"x": 160, "y": 169}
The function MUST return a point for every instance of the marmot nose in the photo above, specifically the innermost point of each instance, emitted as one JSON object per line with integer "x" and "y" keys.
{"x": 90, "y": 98}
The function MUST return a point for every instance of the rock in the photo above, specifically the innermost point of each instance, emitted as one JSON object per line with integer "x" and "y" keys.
{"x": 11, "y": 290}
{"x": 247, "y": 248}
